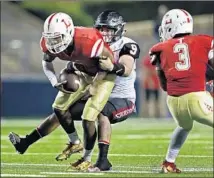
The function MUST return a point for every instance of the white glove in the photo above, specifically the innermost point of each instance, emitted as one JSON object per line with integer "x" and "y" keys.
{"x": 106, "y": 64}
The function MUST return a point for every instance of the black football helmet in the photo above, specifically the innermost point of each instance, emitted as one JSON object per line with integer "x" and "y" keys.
{"x": 111, "y": 25}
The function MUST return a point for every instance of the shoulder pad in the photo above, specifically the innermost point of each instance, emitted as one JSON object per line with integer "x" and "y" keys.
{"x": 157, "y": 48}
{"x": 131, "y": 49}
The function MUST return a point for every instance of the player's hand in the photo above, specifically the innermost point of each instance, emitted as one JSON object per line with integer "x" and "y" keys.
{"x": 60, "y": 87}
{"x": 209, "y": 86}
{"x": 154, "y": 58}
{"x": 105, "y": 63}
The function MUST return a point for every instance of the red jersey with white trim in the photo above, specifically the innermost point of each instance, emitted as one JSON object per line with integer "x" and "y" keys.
{"x": 184, "y": 62}
{"x": 88, "y": 43}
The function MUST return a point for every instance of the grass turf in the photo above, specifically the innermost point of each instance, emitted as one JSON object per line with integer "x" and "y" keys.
{"x": 137, "y": 149}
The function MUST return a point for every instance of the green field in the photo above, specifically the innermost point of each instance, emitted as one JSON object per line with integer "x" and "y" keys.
{"x": 137, "y": 149}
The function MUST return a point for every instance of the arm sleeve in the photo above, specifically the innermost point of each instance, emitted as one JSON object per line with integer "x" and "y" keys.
{"x": 48, "y": 69}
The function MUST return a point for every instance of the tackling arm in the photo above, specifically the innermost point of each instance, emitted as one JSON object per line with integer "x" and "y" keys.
{"x": 128, "y": 54}
{"x": 127, "y": 62}
{"x": 108, "y": 56}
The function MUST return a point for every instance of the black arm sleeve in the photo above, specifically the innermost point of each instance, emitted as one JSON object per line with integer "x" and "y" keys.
{"x": 131, "y": 49}
{"x": 48, "y": 58}
{"x": 118, "y": 69}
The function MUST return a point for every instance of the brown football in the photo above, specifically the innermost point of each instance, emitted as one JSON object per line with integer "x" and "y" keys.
{"x": 73, "y": 80}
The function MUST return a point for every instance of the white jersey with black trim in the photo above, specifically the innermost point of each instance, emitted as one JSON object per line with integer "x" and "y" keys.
{"x": 124, "y": 86}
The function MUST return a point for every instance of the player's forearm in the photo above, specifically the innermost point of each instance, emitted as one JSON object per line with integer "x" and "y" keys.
{"x": 162, "y": 78}
{"x": 49, "y": 71}
{"x": 128, "y": 62}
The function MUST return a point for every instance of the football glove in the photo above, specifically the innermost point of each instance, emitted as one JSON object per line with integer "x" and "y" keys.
{"x": 154, "y": 58}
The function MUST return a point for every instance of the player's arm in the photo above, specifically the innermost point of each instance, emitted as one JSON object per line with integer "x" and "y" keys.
{"x": 102, "y": 51}
{"x": 127, "y": 56}
{"x": 48, "y": 68}
{"x": 162, "y": 78}
{"x": 49, "y": 71}
{"x": 47, "y": 64}
{"x": 106, "y": 54}
{"x": 155, "y": 60}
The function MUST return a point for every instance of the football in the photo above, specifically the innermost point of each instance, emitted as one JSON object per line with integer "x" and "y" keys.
{"x": 73, "y": 80}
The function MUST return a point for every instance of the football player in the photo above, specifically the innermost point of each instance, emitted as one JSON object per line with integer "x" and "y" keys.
{"x": 118, "y": 108}
{"x": 181, "y": 61}
{"x": 122, "y": 99}
{"x": 82, "y": 46}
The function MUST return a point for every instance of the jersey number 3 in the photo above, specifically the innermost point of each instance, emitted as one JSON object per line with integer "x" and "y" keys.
{"x": 183, "y": 55}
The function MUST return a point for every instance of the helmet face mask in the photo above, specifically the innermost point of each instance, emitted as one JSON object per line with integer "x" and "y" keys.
{"x": 111, "y": 25}
{"x": 56, "y": 43}
{"x": 160, "y": 31}
{"x": 107, "y": 33}
{"x": 58, "y": 32}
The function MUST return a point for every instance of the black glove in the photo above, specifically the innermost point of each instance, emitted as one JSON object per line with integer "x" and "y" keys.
{"x": 60, "y": 87}
{"x": 155, "y": 58}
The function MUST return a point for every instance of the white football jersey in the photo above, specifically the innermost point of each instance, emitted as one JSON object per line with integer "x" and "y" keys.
{"x": 124, "y": 86}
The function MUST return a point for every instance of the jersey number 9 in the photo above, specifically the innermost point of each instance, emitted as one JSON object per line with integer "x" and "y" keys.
{"x": 133, "y": 50}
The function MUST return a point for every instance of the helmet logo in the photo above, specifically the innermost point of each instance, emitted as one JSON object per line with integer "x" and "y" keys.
{"x": 188, "y": 20}
{"x": 66, "y": 25}
{"x": 168, "y": 21}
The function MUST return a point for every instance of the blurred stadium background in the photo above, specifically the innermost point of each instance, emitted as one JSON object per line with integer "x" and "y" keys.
{"x": 26, "y": 92}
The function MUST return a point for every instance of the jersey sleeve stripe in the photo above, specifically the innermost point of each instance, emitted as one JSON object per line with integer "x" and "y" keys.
{"x": 212, "y": 44}
{"x": 99, "y": 49}
{"x": 96, "y": 47}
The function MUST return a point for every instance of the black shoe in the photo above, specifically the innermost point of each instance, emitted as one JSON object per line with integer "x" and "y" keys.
{"x": 19, "y": 143}
{"x": 103, "y": 165}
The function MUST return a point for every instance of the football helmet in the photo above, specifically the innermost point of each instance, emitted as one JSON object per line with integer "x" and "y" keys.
{"x": 58, "y": 32}
{"x": 174, "y": 22}
{"x": 111, "y": 25}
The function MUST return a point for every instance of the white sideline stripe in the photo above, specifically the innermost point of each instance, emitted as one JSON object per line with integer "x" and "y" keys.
{"x": 88, "y": 173}
{"x": 133, "y": 172}
{"x": 74, "y": 173}
{"x": 118, "y": 166}
{"x": 122, "y": 155}
{"x": 22, "y": 175}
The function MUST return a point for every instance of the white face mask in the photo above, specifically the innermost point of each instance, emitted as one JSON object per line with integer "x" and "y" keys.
{"x": 160, "y": 31}
{"x": 55, "y": 43}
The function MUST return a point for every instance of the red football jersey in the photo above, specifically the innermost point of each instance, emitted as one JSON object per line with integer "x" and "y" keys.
{"x": 184, "y": 61}
{"x": 88, "y": 43}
